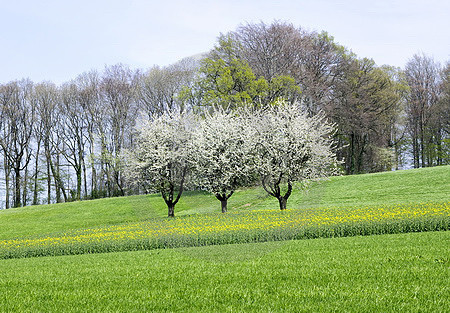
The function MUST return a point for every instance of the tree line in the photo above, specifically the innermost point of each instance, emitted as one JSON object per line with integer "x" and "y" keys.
{"x": 64, "y": 143}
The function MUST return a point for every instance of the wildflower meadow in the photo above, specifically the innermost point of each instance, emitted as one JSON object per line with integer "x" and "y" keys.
{"x": 236, "y": 227}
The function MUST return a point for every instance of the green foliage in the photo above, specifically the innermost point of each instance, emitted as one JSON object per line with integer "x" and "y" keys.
{"x": 228, "y": 84}
{"x": 226, "y": 80}
{"x": 283, "y": 87}
{"x": 387, "y": 273}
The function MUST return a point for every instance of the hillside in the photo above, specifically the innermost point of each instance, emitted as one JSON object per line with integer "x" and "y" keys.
{"x": 408, "y": 186}
{"x": 390, "y": 258}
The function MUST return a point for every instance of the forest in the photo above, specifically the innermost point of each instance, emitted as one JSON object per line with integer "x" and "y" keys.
{"x": 65, "y": 142}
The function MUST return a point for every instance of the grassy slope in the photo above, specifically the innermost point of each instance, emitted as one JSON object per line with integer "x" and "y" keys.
{"x": 419, "y": 185}
{"x": 389, "y": 273}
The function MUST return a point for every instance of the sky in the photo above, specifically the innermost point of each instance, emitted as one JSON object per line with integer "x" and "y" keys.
{"x": 56, "y": 40}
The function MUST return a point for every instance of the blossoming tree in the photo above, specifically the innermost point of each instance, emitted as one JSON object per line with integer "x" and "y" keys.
{"x": 222, "y": 154}
{"x": 161, "y": 156}
{"x": 290, "y": 147}
{"x": 225, "y": 150}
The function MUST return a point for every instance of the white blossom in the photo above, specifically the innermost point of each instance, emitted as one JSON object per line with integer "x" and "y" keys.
{"x": 161, "y": 156}
{"x": 290, "y": 147}
{"x": 222, "y": 154}
{"x": 226, "y": 150}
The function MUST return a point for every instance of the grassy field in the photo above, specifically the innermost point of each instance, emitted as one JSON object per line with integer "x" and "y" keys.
{"x": 380, "y": 273}
{"x": 235, "y": 227}
{"x": 408, "y": 186}
{"x": 387, "y": 273}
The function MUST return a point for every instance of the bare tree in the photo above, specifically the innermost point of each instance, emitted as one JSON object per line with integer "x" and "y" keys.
{"x": 6, "y": 95}
{"x": 159, "y": 88}
{"x": 312, "y": 59}
{"x": 93, "y": 113}
{"x": 323, "y": 65}
{"x": 47, "y": 99}
{"x": 73, "y": 128}
{"x": 18, "y": 117}
{"x": 118, "y": 90}
{"x": 38, "y": 138}
{"x": 444, "y": 117}
{"x": 271, "y": 50}
{"x": 422, "y": 75}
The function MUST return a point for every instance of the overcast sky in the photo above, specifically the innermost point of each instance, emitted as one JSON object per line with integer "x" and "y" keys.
{"x": 57, "y": 40}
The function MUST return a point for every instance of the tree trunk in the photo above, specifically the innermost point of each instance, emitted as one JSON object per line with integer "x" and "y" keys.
{"x": 416, "y": 153}
{"x": 439, "y": 148}
{"x": 17, "y": 202}
{"x": 57, "y": 189}
{"x": 103, "y": 190}
{"x": 25, "y": 187}
{"x": 108, "y": 180}
{"x": 59, "y": 186}
{"x": 61, "y": 183}
{"x": 79, "y": 182}
{"x": 82, "y": 167}
{"x": 57, "y": 182}
{"x": 36, "y": 174}
{"x": 397, "y": 156}
{"x": 49, "y": 182}
{"x": 350, "y": 155}
{"x": 422, "y": 144}
{"x": 361, "y": 147}
{"x": 84, "y": 178}
{"x": 94, "y": 191}
{"x": 104, "y": 184}
{"x": 223, "y": 198}
{"x": 7, "y": 173}
{"x": 283, "y": 203}
{"x": 224, "y": 205}
{"x": 118, "y": 183}
{"x": 171, "y": 209}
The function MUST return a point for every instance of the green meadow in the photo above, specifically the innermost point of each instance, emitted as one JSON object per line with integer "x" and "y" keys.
{"x": 401, "y": 264}
{"x": 386, "y": 273}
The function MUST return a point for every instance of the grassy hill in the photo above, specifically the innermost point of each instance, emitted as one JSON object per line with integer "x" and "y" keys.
{"x": 408, "y": 186}
{"x": 387, "y": 273}
{"x": 383, "y": 273}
